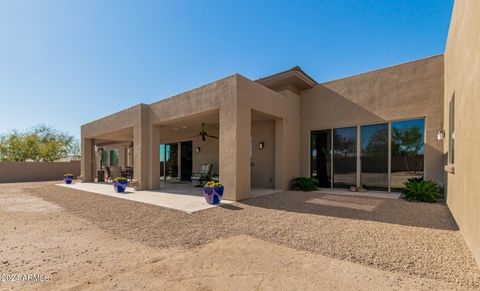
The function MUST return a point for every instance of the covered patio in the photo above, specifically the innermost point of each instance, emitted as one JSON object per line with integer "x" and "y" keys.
{"x": 178, "y": 196}
{"x": 244, "y": 145}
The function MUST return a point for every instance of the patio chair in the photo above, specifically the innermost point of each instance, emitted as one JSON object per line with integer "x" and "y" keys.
{"x": 203, "y": 176}
{"x": 127, "y": 173}
{"x": 109, "y": 175}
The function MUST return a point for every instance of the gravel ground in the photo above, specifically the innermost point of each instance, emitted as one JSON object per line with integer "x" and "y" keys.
{"x": 388, "y": 234}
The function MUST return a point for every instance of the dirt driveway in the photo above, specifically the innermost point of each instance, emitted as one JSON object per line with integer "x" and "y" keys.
{"x": 284, "y": 241}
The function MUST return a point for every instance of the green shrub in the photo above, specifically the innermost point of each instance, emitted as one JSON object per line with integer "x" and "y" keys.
{"x": 303, "y": 184}
{"x": 417, "y": 189}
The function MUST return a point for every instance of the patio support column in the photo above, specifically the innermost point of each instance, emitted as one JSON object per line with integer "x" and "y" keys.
{"x": 146, "y": 140}
{"x": 234, "y": 151}
{"x": 281, "y": 182}
{"x": 88, "y": 160}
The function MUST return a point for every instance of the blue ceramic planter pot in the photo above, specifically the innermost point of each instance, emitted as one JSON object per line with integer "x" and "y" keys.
{"x": 68, "y": 179}
{"x": 120, "y": 186}
{"x": 213, "y": 195}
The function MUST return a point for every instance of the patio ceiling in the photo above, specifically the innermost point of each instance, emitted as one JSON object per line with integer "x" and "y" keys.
{"x": 191, "y": 125}
{"x": 121, "y": 135}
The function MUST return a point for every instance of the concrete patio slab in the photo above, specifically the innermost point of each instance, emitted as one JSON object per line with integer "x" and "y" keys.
{"x": 179, "y": 197}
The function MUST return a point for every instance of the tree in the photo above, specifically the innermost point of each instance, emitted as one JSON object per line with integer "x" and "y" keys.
{"x": 377, "y": 144}
{"x": 408, "y": 142}
{"x": 42, "y": 143}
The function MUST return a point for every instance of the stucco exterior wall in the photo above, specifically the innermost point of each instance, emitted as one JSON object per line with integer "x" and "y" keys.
{"x": 462, "y": 78}
{"x": 284, "y": 108}
{"x": 405, "y": 91}
{"x": 263, "y": 160}
{"x": 37, "y": 171}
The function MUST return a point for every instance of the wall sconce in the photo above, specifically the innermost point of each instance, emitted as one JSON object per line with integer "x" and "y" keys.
{"x": 197, "y": 150}
{"x": 261, "y": 145}
{"x": 441, "y": 134}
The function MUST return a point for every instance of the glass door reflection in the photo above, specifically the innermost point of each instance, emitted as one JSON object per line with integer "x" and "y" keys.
{"x": 374, "y": 156}
{"x": 344, "y": 157}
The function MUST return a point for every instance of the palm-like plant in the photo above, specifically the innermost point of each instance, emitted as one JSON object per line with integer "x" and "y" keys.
{"x": 421, "y": 190}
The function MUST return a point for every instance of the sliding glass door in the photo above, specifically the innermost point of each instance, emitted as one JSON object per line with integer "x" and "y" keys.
{"x": 374, "y": 156}
{"x": 407, "y": 151}
{"x": 169, "y": 161}
{"x": 378, "y": 156}
{"x": 320, "y": 157}
{"x": 344, "y": 157}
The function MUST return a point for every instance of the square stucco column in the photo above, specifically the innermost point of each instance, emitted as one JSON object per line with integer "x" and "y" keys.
{"x": 234, "y": 152}
{"x": 88, "y": 160}
{"x": 281, "y": 182}
{"x": 146, "y": 151}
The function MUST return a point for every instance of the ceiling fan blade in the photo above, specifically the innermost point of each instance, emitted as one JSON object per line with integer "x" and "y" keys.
{"x": 212, "y": 136}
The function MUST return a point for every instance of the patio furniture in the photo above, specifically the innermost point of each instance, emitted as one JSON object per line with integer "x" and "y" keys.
{"x": 112, "y": 173}
{"x": 203, "y": 176}
{"x": 127, "y": 173}
{"x": 109, "y": 175}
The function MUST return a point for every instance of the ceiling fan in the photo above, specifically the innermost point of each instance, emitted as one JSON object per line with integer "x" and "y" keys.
{"x": 204, "y": 134}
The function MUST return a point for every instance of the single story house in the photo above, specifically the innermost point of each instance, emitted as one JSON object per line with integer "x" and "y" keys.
{"x": 374, "y": 130}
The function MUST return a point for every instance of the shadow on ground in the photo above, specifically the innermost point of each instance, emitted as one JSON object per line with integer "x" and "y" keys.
{"x": 396, "y": 211}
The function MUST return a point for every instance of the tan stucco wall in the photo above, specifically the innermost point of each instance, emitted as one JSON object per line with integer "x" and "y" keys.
{"x": 409, "y": 90}
{"x": 37, "y": 171}
{"x": 284, "y": 108}
{"x": 462, "y": 77}
{"x": 263, "y": 160}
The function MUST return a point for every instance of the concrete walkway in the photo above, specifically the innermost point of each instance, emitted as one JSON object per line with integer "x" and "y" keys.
{"x": 184, "y": 198}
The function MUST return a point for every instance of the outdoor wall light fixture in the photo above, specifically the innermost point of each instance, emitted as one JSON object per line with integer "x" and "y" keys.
{"x": 197, "y": 150}
{"x": 441, "y": 134}
{"x": 261, "y": 145}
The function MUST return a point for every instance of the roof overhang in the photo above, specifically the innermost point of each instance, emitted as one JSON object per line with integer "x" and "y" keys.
{"x": 294, "y": 79}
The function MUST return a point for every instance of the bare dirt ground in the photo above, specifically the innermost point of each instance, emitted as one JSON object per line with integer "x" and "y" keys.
{"x": 286, "y": 241}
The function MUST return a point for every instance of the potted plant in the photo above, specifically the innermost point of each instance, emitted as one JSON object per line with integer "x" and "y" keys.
{"x": 68, "y": 178}
{"x": 120, "y": 184}
{"x": 213, "y": 192}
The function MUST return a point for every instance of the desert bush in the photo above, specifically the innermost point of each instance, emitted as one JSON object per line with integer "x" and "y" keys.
{"x": 303, "y": 184}
{"x": 418, "y": 189}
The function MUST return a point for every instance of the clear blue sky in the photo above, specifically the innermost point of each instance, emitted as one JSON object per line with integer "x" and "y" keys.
{"x": 115, "y": 54}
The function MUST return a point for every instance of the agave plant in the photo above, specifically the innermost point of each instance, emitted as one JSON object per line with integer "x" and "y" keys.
{"x": 421, "y": 190}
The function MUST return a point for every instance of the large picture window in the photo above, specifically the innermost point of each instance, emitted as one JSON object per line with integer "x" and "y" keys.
{"x": 114, "y": 158}
{"x": 451, "y": 131}
{"x": 105, "y": 159}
